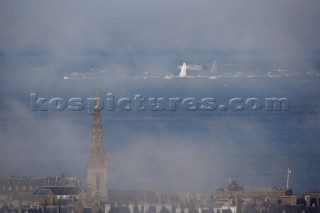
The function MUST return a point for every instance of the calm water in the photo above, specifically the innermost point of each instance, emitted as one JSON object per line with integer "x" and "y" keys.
{"x": 173, "y": 150}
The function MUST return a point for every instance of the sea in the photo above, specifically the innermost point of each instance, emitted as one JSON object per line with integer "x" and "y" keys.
{"x": 208, "y": 130}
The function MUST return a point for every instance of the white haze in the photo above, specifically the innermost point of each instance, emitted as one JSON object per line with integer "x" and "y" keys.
{"x": 42, "y": 41}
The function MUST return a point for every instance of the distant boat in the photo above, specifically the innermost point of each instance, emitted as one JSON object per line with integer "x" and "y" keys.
{"x": 183, "y": 71}
{"x": 214, "y": 68}
{"x": 194, "y": 67}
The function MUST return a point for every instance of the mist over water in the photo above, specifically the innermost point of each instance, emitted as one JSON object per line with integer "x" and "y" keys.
{"x": 171, "y": 150}
{"x": 271, "y": 51}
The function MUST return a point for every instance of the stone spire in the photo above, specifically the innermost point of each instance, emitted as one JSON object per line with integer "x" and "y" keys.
{"x": 97, "y": 167}
{"x": 97, "y": 152}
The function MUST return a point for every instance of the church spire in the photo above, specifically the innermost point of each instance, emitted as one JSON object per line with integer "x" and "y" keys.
{"x": 97, "y": 143}
{"x": 97, "y": 167}
{"x": 97, "y": 101}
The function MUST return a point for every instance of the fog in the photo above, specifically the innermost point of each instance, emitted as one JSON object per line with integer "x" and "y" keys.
{"x": 69, "y": 49}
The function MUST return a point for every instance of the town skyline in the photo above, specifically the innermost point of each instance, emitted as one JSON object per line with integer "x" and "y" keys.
{"x": 215, "y": 67}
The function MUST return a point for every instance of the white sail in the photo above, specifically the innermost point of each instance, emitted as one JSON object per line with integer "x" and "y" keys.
{"x": 183, "y": 72}
{"x": 214, "y": 68}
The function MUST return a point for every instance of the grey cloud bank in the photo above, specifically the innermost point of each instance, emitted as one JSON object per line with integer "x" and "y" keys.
{"x": 67, "y": 29}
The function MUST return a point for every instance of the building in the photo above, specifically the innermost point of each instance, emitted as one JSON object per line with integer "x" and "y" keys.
{"x": 22, "y": 188}
{"x": 97, "y": 181}
{"x": 138, "y": 196}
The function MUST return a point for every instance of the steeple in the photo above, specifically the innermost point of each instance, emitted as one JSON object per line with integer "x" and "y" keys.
{"x": 97, "y": 101}
{"x": 97, "y": 167}
{"x": 97, "y": 151}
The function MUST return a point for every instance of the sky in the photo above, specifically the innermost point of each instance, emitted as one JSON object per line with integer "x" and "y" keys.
{"x": 69, "y": 49}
